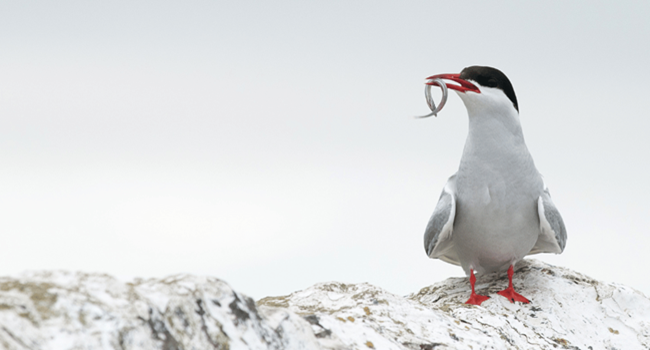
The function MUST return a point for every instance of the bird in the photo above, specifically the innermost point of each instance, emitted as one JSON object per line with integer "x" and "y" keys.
{"x": 496, "y": 208}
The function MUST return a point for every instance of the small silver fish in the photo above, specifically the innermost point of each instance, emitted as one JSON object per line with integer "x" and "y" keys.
{"x": 427, "y": 94}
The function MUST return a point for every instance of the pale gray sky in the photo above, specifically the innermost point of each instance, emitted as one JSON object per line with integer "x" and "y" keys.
{"x": 272, "y": 144}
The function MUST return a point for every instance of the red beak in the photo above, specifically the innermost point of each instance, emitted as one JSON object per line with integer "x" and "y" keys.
{"x": 463, "y": 87}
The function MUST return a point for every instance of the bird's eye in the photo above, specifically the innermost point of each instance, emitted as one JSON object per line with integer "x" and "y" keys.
{"x": 492, "y": 83}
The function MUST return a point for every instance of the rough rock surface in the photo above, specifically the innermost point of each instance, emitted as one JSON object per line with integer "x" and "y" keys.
{"x": 60, "y": 310}
{"x": 567, "y": 310}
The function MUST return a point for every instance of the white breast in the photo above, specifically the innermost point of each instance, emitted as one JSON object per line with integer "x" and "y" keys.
{"x": 498, "y": 187}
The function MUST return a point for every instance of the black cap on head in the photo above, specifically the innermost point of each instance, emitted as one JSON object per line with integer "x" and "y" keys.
{"x": 490, "y": 77}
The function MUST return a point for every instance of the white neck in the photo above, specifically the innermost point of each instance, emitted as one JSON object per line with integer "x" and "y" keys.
{"x": 495, "y": 136}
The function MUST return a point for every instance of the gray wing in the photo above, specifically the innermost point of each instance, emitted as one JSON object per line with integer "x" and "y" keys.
{"x": 437, "y": 237}
{"x": 552, "y": 237}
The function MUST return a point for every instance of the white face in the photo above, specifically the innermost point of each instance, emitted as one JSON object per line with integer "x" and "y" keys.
{"x": 491, "y": 101}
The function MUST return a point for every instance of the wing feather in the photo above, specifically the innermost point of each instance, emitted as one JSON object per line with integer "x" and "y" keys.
{"x": 552, "y": 237}
{"x": 437, "y": 236}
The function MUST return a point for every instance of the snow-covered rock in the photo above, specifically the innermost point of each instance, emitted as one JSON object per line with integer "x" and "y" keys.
{"x": 60, "y": 310}
{"x": 567, "y": 310}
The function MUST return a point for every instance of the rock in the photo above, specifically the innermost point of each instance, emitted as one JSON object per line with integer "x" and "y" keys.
{"x": 568, "y": 310}
{"x": 61, "y": 310}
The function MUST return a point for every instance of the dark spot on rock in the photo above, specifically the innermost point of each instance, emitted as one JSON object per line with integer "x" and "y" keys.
{"x": 120, "y": 339}
{"x": 240, "y": 314}
{"x": 204, "y": 327}
{"x": 160, "y": 332}
{"x": 506, "y": 338}
{"x": 325, "y": 333}
{"x": 430, "y": 346}
{"x": 453, "y": 336}
{"x": 535, "y": 309}
{"x": 216, "y": 302}
{"x": 252, "y": 307}
{"x": 313, "y": 319}
{"x": 561, "y": 341}
{"x": 180, "y": 314}
{"x": 549, "y": 272}
{"x": 200, "y": 311}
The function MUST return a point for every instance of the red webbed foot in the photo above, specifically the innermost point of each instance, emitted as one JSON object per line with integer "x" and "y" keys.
{"x": 513, "y": 296}
{"x": 475, "y": 299}
{"x": 510, "y": 291}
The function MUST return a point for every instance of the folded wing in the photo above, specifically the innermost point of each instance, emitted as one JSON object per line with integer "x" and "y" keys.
{"x": 437, "y": 237}
{"x": 552, "y": 237}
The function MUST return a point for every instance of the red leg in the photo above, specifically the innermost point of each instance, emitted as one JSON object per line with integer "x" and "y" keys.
{"x": 510, "y": 291}
{"x": 475, "y": 299}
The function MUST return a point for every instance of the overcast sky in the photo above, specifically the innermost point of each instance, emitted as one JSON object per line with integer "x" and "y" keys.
{"x": 273, "y": 144}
